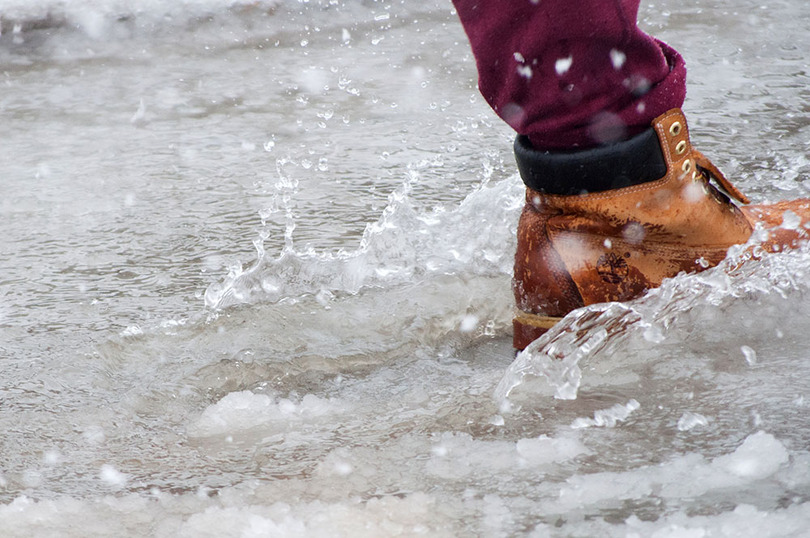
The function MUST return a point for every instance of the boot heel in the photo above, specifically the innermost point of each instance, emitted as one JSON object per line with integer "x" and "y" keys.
{"x": 529, "y": 327}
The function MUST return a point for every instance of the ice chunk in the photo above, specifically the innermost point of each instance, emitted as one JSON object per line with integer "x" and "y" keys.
{"x": 690, "y": 476}
{"x": 543, "y": 450}
{"x": 131, "y": 331}
{"x": 760, "y": 456}
{"x": 459, "y": 455}
{"x": 690, "y": 420}
{"x": 608, "y": 417}
{"x": 244, "y": 410}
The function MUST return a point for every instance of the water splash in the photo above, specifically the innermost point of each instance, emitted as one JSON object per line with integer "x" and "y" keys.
{"x": 556, "y": 355}
{"x": 603, "y": 330}
{"x": 406, "y": 243}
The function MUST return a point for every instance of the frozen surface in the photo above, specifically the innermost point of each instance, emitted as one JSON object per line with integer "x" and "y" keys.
{"x": 255, "y": 281}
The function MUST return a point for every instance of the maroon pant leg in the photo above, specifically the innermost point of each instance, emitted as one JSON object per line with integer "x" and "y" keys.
{"x": 571, "y": 73}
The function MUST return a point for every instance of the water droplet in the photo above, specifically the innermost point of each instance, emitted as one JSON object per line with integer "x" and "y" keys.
{"x": 790, "y": 220}
{"x": 469, "y": 323}
{"x": 750, "y": 355}
{"x": 562, "y": 65}
{"x": 617, "y": 58}
{"x": 634, "y": 233}
{"x": 343, "y": 468}
{"x": 525, "y": 71}
{"x": 112, "y": 476}
{"x": 514, "y": 115}
{"x": 607, "y": 128}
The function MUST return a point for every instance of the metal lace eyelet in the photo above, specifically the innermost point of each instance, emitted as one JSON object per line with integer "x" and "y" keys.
{"x": 687, "y": 166}
{"x": 681, "y": 147}
{"x": 675, "y": 128}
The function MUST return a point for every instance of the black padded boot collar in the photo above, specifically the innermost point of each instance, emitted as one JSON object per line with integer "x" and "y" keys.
{"x": 631, "y": 162}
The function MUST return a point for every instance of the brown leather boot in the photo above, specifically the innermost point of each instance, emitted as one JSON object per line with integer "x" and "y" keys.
{"x": 609, "y": 223}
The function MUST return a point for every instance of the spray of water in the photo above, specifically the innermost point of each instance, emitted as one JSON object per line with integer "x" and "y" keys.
{"x": 599, "y": 331}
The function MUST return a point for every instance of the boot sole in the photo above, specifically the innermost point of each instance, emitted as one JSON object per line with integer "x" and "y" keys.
{"x": 529, "y": 327}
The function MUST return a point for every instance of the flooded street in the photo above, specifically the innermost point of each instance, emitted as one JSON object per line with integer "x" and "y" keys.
{"x": 255, "y": 272}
